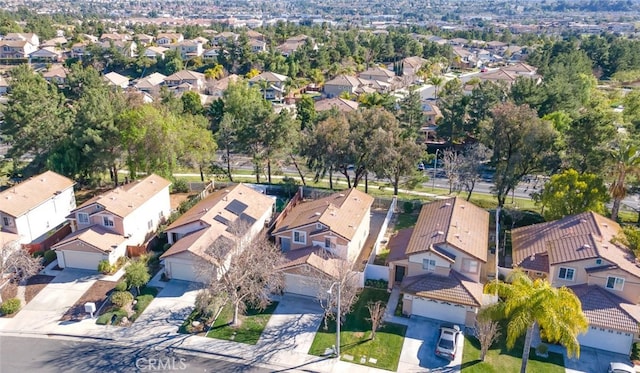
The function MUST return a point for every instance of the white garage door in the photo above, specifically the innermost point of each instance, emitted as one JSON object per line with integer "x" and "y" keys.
{"x": 439, "y": 310}
{"x": 81, "y": 259}
{"x": 300, "y": 285}
{"x": 606, "y": 339}
{"x": 181, "y": 271}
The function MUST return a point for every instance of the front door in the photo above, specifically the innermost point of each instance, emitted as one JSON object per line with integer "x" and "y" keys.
{"x": 400, "y": 273}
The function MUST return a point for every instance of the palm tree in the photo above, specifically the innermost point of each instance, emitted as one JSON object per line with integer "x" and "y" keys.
{"x": 626, "y": 161}
{"x": 526, "y": 303}
{"x": 437, "y": 82}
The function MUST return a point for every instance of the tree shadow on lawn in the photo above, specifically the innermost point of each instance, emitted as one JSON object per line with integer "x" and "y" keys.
{"x": 516, "y": 352}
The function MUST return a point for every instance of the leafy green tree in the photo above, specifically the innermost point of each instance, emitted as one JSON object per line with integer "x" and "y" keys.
{"x": 137, "y": 274}
{"x": 453, "y": 104}
{"x": 570, "y": 193}
{"x": 191, "y": 103}
{"x": 527, "y": 91}
{"x": 483, "y": 97}
{"x": 589, "y": 136}
{"x": 171, "y": 63}
{"x": 527, "y": 303}
{"x": 226, "y": 138}
{"x": 521, "y": 144}
{"x": 306, "y": 111}
{"x": 198, "y": 145}
{"x": 410, "y": 115}
{"x": 36, "y": 119}
{"x": 326, "y": 148}
{"x": 626, "y": 162}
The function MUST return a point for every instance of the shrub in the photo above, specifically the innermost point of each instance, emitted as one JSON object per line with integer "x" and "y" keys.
{"x": 407, "y": 206}
{"x": 166, "y": 247}
{"x": 105, "y": 318}
{"x": 121, "y": 286}
{"x": 377, "y": 284}
{"x": 180, "y": 186}
{"x": 121, "y": 298}
{"x": 49, "y": 256}
{"x": 10, "y": 306}
{"x": 635, "y": 351}
{"x": 542, "y": 349}
{"x": 38, "y": 254}
{"x": 104, "y": 267}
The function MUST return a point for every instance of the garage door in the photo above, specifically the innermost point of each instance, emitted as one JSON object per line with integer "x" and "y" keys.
{"x": 81, "y": 259}
{"x": 300, "y": 285}
{"x": 439, "y": 310}
{"x": 181, "y": 271}
{"x": 606, "y": 339}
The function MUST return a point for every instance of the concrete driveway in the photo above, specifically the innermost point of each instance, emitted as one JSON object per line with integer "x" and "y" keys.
{"x": 45, "y": 310}
{"x": 593, "y": 361}
{"x": 167, "y": 311}
{"x": 293, "y": 325}
{"x": 419, "y": 345}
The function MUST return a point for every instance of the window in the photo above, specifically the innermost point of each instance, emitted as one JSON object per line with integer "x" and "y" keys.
{"x": 429, "y": 264}
{"x": 83, "y": 218}
{"x": 566, "y": 273}
{"x": 299, "y": 237}
{"x": 615, "y": 283}
{"x": 6, "y": 221}
{"x": 318, "y": 226}
{"x": 470, "y": 266}
{"x": 107, "y": 221}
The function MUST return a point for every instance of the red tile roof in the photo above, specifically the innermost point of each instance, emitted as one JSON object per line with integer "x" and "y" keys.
{"x": 607, "y": 310}
{"x": 454, "y": 288}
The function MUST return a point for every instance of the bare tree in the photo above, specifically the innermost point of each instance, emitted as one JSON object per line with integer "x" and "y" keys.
{"x": 339, "y": 272}
{"x": 245, "y": 272}
{"x": 376, "y": 316}
{"x": 16, "y": 261}
{"x": 487, "y": 331}
{"x": 471, "y": 166}
{"x": 451, "y": 164}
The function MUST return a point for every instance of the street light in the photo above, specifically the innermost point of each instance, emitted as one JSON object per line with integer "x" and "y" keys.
{"x": 337, "y": 347}
{"x": 435, "y": 169}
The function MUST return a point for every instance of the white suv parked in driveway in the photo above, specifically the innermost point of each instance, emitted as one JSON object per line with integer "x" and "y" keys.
{"x": 447, "y": 346}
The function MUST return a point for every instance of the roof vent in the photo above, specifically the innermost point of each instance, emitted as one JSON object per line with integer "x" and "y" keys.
{"x": 440, "y": 232}
{"x": 583, "y": 220}
{"x": 341, "y": 195}
{"x": 605, "y": 225}
{"x": 316, "y": 213}
{"x": 533, "y": 257}
{"x": 462, "y": 206}
{"x": 112, "y": 198}
{"x": 226, "y": 190}
{"x": 586, "y": 246}
{"x": 447, "y": 204}
{"x": 42, "y": 179}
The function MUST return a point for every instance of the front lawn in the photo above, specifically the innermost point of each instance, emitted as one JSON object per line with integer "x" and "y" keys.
{"x": 355, "y": 336}
{"x": 132, "y": 312}
{"x": 499, "y": 359}
{"x": 251, "y": 325}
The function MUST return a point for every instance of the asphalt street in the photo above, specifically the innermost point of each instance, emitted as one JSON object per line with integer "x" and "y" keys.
{"x": 19, "y": 354}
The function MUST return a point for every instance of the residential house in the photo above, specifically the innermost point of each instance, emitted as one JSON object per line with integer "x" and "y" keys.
{"x": 582, "y": 252}
{"x": 439, "y": 265}
{"x": 46, "y": 54}
{"x": 115, "y": 79}
{"x": 216, "y": 88}
{"x": 431, "y": 115}
{"x": 211, "y": 54}
{"x": 31, "y": 38}
{"x": 166, "y": 38}
{"x": 144, "y": 39}
{"x": 337, "y": 103}
{"x": 156, "y": 53}
{"x": 521, "y": 69}
{"x": 114, "y": 37}
{"x": 257, "y": 46}
{"x": 224, "y": 38}
{"x": 194, "y": 79}
{"x": 293, "y": 43}
{"x": 78, "y": 50}
{"x": 56, "y": 74}
{"x": 57, "y": 42}
{"x": 378, "y": 73}
{"x": 217, "y": 218}
{"x": 150, "y": 84}
{"x": 411, "y": 65}
{"x": 36, "y": 208}
{"x": 458, "y": 42}
{"x": 4, "y": 86}
{"x": 255, "y": 35}
{"x": 464, "y": 59}
{"x": 104, "y": 226}
{"x": 338, "y": 224}
{"x": 126, "y": 47}
{"x": 201, "y": 40}
{"x": 188, "y": 49}
{"x": 496, "y": 46}
{"x": 341, "y": 83}
{"x": 16, "y": 49}
{"x": 274, "y": 85}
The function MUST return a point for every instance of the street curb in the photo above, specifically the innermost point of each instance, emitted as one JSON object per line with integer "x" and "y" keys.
{"x": 27, "y": 334}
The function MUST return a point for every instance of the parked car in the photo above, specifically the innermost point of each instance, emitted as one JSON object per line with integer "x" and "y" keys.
{"x": 447, "y": 346}
{"x": 620, "y": 368}
{"x": 420, "y": 166}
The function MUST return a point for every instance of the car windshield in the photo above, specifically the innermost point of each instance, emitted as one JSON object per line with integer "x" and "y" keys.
{"x": 446, "y": 344}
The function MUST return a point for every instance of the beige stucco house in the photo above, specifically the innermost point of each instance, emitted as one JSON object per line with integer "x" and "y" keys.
{"x": 104, "y": 226}
{"x": 219, "y": 216}
{"x": 582, "y": 252}
{"x": 439, "y": 264}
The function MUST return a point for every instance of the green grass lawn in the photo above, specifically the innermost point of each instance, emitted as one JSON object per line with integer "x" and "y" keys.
{"x": 499, "y": 359}
{"x": 355, "y": 335}
{"x": 251, "y": 325}
{"x": 406, "y": 220}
